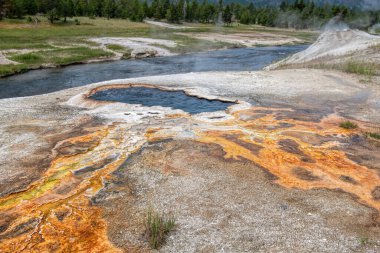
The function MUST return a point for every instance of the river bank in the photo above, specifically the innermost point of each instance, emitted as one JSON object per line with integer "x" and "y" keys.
{"x": 49, "y": 80}
{"x": 26, "y": 46}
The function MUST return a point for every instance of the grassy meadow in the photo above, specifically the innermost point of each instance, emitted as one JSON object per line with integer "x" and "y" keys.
{"x": 35, "y": 45}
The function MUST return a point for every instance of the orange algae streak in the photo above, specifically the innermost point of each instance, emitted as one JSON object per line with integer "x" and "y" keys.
{"x": 293, "y": 158}
{"x": 55, "y": 213}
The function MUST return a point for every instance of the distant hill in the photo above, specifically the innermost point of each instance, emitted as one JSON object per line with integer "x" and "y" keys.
{"x": 363, "y": 4}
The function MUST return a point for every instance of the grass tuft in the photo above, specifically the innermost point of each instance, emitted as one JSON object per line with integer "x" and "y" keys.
{"x": 9, "y": 69}
{"x": 374, "y": 135}
{"x": 360, "y": 68}
{"x": 363, "y": 241}
{"x": 125, "y": 51}
{"x": 115, "y": 47}
{"x": 348, "y": 125}
{"x": 28, "y": 58}
{"x": 157, "y": 228}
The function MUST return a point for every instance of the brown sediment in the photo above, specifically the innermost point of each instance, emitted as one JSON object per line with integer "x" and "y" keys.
{"x": 34, "y": 165}
{"x": 304, "y": 174}
{"x": 228, "y": 196}
{"x": 281, "y": 154}
{"x": 56, "y": 211}
{"x": 376, "y": 193}
{"x": 348, "y": 179}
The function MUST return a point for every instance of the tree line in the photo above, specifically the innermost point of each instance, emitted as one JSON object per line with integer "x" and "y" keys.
{"x": 295, "y": 14}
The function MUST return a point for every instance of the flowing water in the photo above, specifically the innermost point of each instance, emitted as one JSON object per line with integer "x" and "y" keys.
{"x": 49, "y": 80}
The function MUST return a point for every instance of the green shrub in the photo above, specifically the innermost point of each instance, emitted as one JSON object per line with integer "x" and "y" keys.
{"x": 157, "y": 228}
{"x": 348, "y": 125}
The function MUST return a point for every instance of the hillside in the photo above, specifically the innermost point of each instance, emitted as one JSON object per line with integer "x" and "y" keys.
{"x": 351, "y": 51}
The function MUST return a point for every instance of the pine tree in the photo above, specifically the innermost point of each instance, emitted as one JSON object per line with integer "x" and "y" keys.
{"x": 245, "y": 17}
{"x": 3, "y": 8}
{"x": 52, "y": 12}
{"x": 227, "y": 15}
{"x": 30, "y": 7}
{"x": 109, "y": 9}
{"x": 66, "y": 9}
{"x": 147, "y": 11}
{"x": 284, "y": 6}
{"x": 180, "y": 10}
{"x": 172, "y": 14}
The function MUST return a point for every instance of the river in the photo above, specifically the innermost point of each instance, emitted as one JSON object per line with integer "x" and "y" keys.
{"x": 43, "y": 81}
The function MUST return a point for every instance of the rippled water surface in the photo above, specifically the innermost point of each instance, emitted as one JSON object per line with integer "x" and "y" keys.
{"x": 49, "y": 80}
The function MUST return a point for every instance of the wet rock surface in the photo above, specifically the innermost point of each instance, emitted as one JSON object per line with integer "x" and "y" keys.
{"x": 251, "y": 178}
{"x": 228, "y": 205}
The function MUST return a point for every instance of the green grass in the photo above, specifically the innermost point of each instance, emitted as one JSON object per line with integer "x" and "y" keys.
{"x": 28, "y": 58}
{"x": 52, "y": 40}
{"x": 360, "y": 68}
{"x": 60, "y": 56}
{"x": 366, "y": 69}
{"x": 348, "y": 125}
{"x": 374, "y": 135}
{"x": 9, "y": 69}
{"x": 120, "y": 49}
{"x": 19, "y": 36}
{"x": 115, "y": 47}
{"x": 71, "y": 55}
{"x": 25, "y": 35}
{"x": 157, "y": 228}
{"x": 363, "y": 241}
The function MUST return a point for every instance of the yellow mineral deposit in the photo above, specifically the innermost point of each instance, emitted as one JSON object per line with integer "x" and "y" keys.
{"x": 300, "y": 164}
{"x": 55, "y": 213}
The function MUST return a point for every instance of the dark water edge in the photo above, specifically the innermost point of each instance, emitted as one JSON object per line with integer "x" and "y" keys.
{"x": 43, "y": 81}
{"x": 156, "y": 97}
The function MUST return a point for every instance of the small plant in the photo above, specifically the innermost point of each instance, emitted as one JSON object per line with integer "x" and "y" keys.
{"x": 374, "y": 135}
{"x": 363, "y": 241}
{"x": 348, "y": 125}
{"x": 158, "y": 227}
{"x": 77, "y": 22}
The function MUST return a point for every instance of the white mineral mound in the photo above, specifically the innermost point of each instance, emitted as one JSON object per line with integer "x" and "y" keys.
{"x": 332, "y": 43}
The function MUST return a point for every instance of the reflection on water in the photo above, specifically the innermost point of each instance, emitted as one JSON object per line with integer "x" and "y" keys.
{"x": 49, "y": 80}
{"x": 157, "y": 97}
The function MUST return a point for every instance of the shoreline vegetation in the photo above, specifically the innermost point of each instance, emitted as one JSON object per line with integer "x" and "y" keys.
{"x": 27, "y": 46}
{"x": 46, "y": 34}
